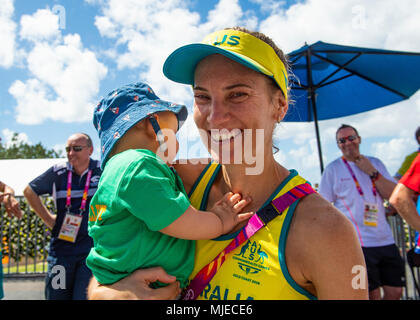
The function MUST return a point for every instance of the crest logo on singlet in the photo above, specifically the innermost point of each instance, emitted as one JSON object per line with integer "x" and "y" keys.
{"x": 251, "y": 260}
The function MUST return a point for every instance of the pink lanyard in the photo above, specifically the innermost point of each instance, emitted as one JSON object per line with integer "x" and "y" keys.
{"x": 257, "y": 221}
{"x": 356, "y": 181}
{"x": 85, "y": 192}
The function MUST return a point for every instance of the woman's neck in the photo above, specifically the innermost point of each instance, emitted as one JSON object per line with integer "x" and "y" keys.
{"x": 259, "y": 187}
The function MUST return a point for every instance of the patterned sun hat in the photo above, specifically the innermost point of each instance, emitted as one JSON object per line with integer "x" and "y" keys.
{"x": 122, "y": 108}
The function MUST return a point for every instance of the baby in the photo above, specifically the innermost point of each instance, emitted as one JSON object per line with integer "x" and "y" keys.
{"x": 140, "y": 216}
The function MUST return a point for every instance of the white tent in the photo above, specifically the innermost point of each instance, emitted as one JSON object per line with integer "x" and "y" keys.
{"x": 17, "y": 173}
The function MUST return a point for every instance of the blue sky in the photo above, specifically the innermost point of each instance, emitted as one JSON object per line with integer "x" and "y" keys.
{"x": 58, "y": 58}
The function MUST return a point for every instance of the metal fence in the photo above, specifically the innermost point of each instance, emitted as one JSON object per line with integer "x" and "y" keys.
{"x": 24, "y": 246}
{"x": 404, "y": 239}
{"x": 24, "y": 242}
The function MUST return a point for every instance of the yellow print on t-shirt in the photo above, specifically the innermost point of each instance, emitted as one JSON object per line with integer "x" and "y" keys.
{"x": 95, "y": 213}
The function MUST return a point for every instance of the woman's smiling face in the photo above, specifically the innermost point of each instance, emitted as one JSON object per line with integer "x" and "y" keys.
{"x": 232, "y": 102}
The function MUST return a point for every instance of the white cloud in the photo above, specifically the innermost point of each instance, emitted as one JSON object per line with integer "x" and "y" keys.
{"x": 7, "y": 31}
{"x": 42, "y": 25}
{"x": 93, "y": 2}
{"x": 145, "y": 32}
{"x": 394, "y": 120}
{"x": 61, "y": 147}
{"x": 65, "y": 76}
{"x": 225, "y": 14}
{"x": 280, "y": 157}
{"x": 306, "y": 156}
{"x": 106, "y": 27}
{"x": 8, "y": 135}
{"x": 148, "y": 31}
{"x": 190, "y": 144}
{"x": 270, "y": 6}
{"x": 33, "y": 105}
{"x": 299, "y": 132}
{"x": 379, "y": 23}
{"x": 393, "y": 152}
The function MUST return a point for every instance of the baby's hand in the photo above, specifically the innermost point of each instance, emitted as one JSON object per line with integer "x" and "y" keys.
{"x": 228, "y": 210}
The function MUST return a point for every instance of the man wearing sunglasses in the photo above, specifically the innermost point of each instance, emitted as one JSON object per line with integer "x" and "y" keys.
{"x": 72, "y": 184}
{"x": 357, "y": 185}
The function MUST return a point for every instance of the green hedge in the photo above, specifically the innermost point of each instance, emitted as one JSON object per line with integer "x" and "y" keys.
{"x": 25, "y": 237}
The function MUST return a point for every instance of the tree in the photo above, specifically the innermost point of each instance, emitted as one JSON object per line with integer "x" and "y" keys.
{"x": 22, "y": 150}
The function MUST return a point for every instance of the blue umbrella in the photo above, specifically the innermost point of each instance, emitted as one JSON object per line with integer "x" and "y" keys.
{"x": 334, "y": 81}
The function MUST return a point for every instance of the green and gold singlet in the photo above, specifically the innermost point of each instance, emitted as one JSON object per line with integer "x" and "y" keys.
{"x": 257, "y": 269}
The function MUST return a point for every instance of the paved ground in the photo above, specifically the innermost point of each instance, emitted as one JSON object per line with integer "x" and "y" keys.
{"x": 33, "y": 288}
{"x": 23, "y": 289}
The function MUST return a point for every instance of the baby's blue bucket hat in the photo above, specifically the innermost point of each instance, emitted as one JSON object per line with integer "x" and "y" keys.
{"x": 123, "y": 108}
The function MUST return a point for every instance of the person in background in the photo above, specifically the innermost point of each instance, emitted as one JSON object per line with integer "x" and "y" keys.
{"x": 403, "y": 199}
{"x": 408, "y": 159}
{"x": 72, "y": 185}
{"x": 390, "y": 210}
{"x": 357, "y": 185}
{"x": 12, "y": 206}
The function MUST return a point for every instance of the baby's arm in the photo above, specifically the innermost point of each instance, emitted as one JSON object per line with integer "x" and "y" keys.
{"x": 195, "y": 224}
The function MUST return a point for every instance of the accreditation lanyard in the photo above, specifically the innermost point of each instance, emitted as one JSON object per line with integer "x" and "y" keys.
{"x": 260, "y": 219}
{"x": 85, "y": 192}
{"x": 359, "y": 189}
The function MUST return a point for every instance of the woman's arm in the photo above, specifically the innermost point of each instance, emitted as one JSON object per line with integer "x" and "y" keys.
{"x": 324, "y": 252}
{"x": 136, "y": 287}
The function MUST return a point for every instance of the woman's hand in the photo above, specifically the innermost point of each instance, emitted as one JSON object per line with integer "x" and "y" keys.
{"x": 136, "y": 287}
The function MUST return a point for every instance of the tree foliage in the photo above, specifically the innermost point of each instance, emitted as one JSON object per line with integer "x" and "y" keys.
{"x": 27, "y": 237}
{"x": 22, "y": 150}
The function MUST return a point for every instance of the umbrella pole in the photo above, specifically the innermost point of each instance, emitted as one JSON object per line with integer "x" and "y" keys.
{"x": 318, "y": 140}
{"x": 311, "y": 94}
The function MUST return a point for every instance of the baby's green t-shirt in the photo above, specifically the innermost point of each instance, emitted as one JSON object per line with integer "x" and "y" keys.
{"x": 138, "y": 195}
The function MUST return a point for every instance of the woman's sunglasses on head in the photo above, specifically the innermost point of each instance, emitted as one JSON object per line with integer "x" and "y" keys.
{"x": 344, "y": 139}
{"x": 75, "y": 148}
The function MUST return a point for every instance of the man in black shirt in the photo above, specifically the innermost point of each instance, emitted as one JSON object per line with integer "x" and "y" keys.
{"x": 72, "y": 185}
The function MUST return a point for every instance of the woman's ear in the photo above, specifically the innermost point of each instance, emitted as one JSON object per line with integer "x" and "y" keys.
{"x": 281, "y": 106}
